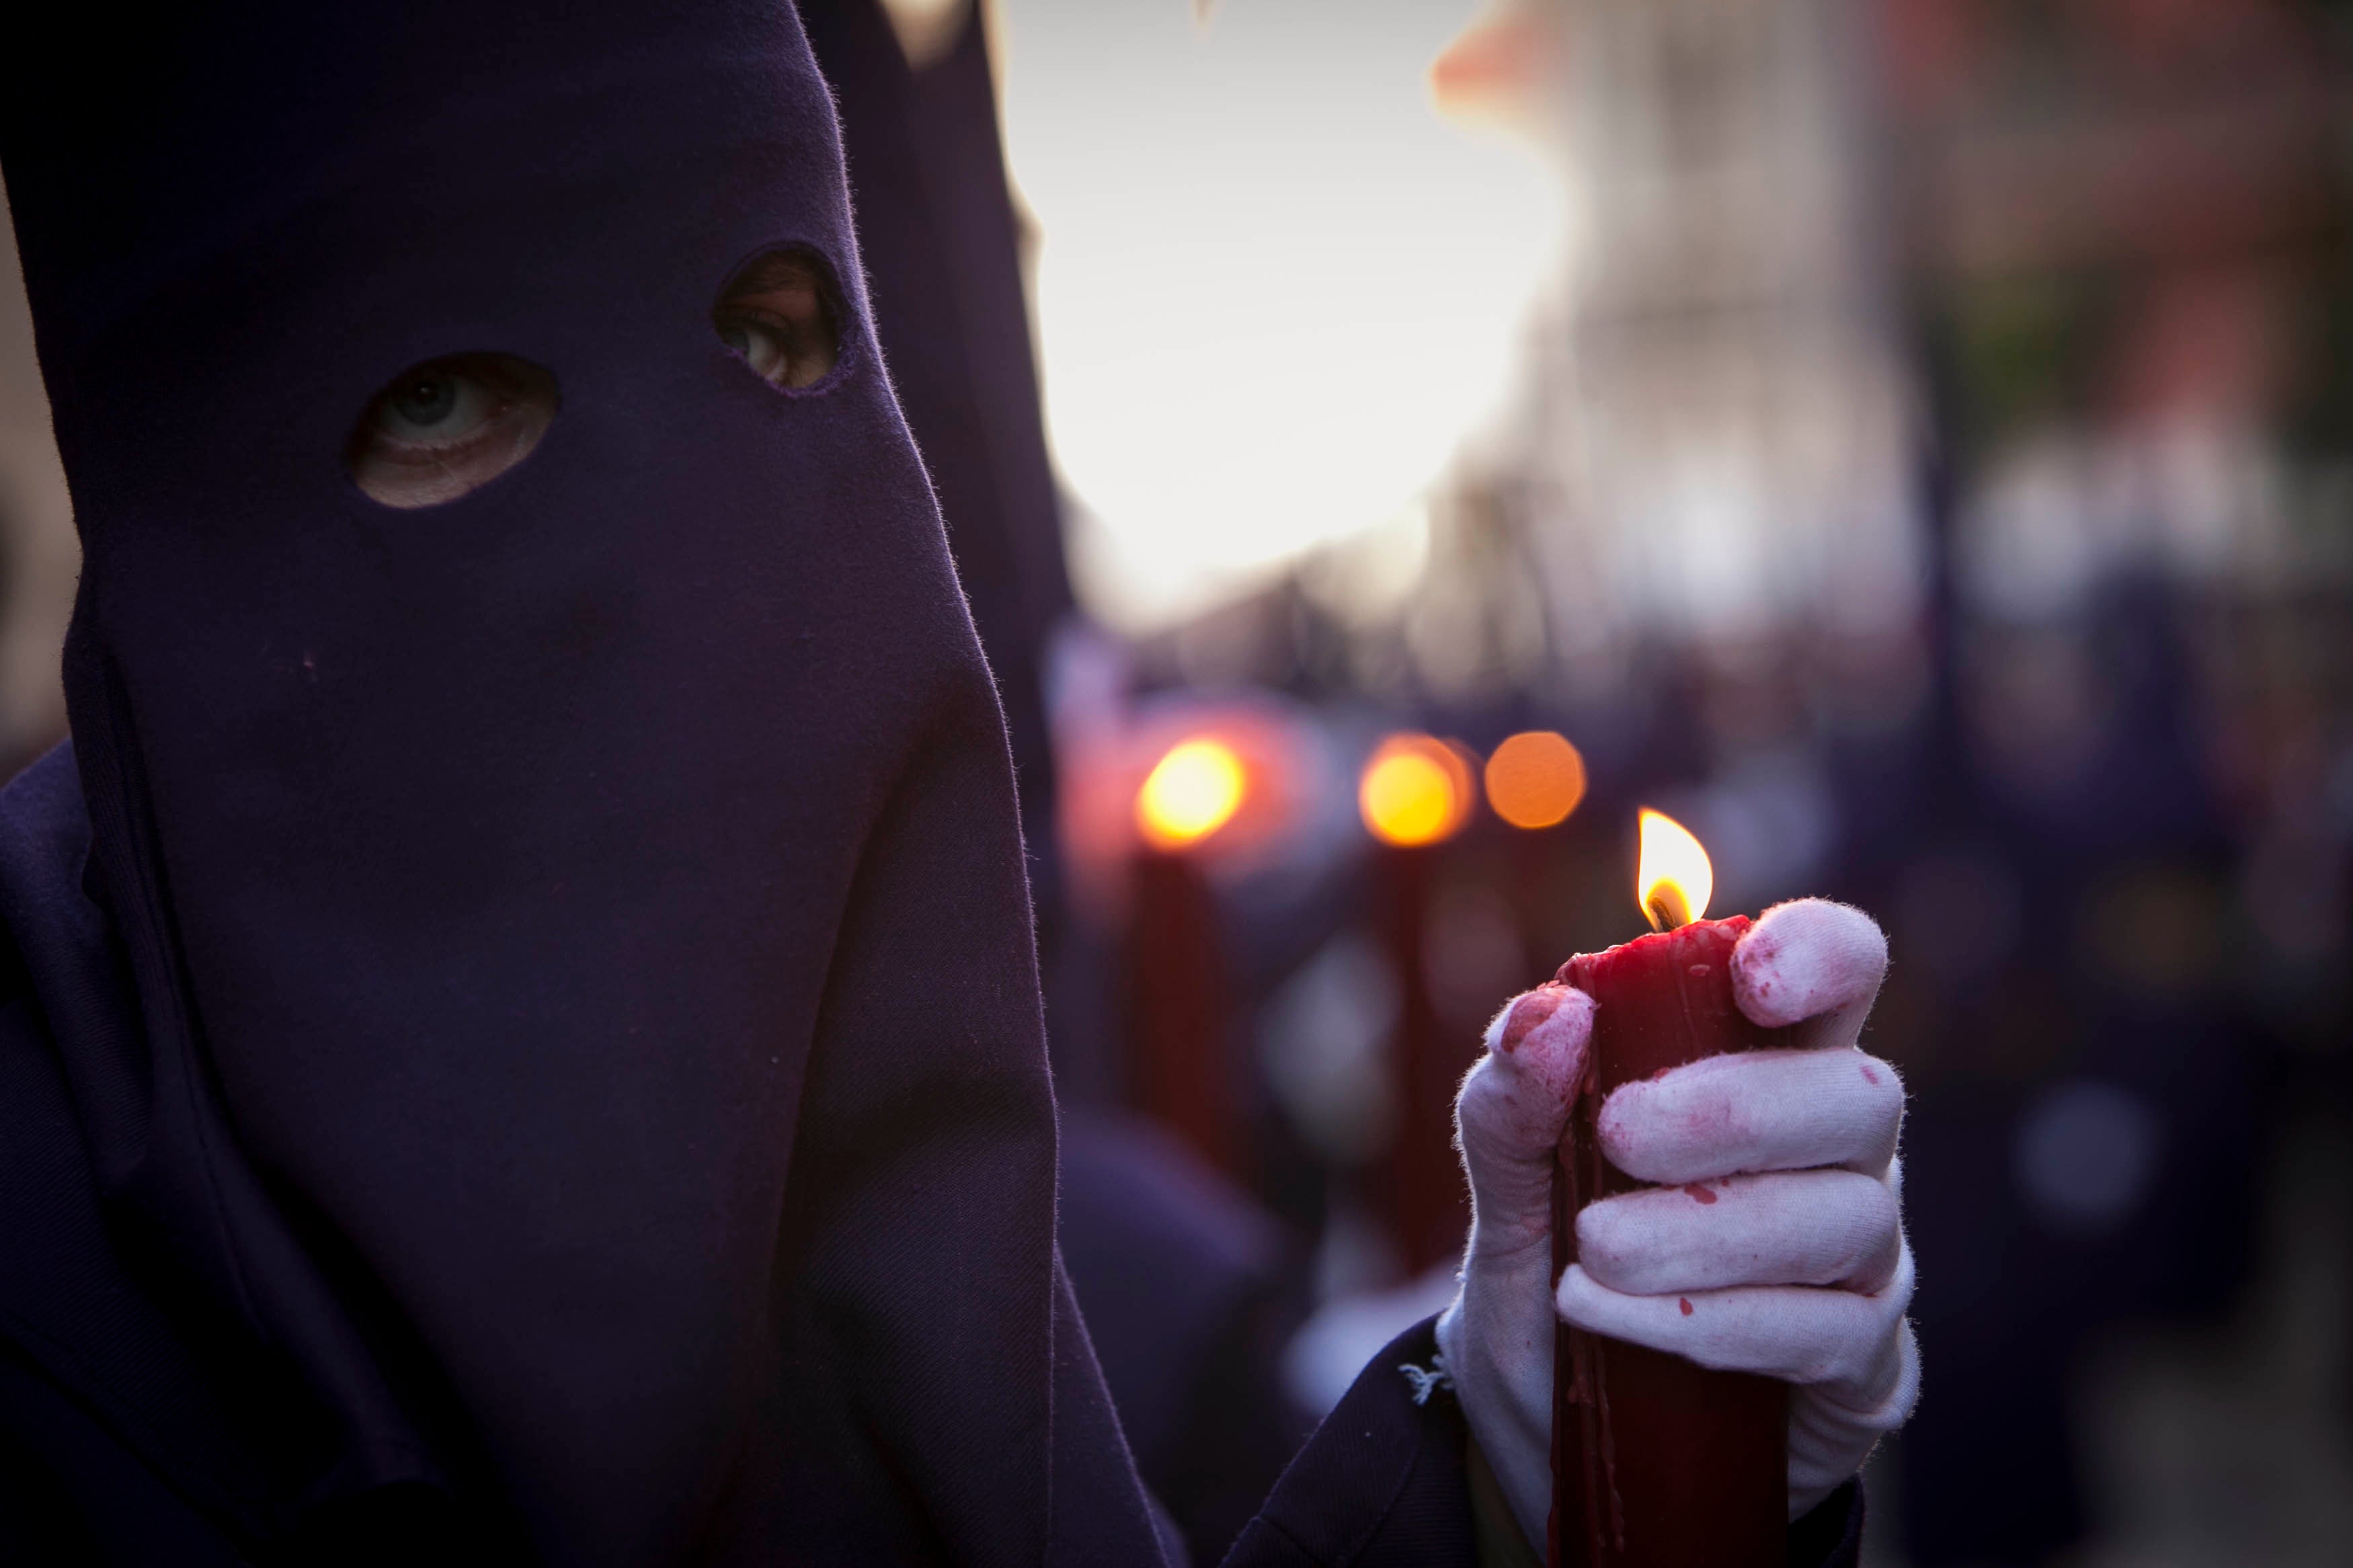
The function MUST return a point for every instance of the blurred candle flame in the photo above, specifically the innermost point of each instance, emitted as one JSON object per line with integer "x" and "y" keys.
{"x": 1191, "y": 793}
{"x": 1536, "y": 779}
{"x": 1674, "y": 880}
{"x": 1415, "y": 790}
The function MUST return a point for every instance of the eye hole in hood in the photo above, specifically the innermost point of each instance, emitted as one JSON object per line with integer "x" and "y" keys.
{"x": 777, "y": 316}
{"x": 448, "y": 427}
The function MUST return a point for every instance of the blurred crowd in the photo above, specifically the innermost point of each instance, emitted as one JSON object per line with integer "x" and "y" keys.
{"x": 1927, "y": 472}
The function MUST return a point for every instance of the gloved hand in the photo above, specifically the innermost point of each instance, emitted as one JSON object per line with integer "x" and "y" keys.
{"x": 1775, "y": 1216}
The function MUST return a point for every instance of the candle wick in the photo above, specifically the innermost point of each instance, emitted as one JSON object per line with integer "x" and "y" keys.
{"x": 1665, "y": 909}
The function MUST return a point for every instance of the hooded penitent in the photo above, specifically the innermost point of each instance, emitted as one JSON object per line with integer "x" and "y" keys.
{"x": 524, "y": 1022}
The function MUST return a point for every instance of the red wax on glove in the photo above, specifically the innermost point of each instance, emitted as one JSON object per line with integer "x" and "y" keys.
{"x": 1657, "y": 1462}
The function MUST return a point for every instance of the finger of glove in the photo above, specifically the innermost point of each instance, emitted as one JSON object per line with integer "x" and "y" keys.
{"x": 1498, "y": 1335}
{"x": 1830, "y": 1440}
{"x": 1813, "y": 963}
{"x": 1804, "y": 1228}
{"x": 1756, "y": 1110}
{"x": 1509, "y": 1115}
{"x": 1838, "y": 1340}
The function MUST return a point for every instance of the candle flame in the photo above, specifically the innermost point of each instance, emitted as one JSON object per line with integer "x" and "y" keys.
{"x": 1416, "y": 790}
{"x": 1674, "y": 880}
{"x": 1191, "y": 793}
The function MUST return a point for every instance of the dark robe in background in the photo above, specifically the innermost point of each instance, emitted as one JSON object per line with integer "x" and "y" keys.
{"x": 1188, "y": 1287}
{"x": 942, "y": 246}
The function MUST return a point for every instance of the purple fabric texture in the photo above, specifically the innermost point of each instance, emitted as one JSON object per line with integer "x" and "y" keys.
{"x": 1178, "y": 1276}
{"x": 549, "y": 1017}
{"x": 944, "y": 264}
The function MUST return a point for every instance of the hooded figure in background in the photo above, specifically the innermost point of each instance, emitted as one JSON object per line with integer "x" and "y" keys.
{"x": 1184, "y": 1279}
{"x": 525, "y": 1035}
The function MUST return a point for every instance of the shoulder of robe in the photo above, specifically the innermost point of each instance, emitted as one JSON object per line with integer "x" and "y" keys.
{"x": 1831, "y": 1536}
{"x": 1386, "y": 1480}
{"x": 44, "y": 840}
{"x": 73, "y": 1488}
{"x": 1383, "y": 1481}
{"x": 72, "y": 1492}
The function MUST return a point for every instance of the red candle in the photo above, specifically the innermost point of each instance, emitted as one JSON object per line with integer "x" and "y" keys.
{"x": 1657, "y": 1462}
{"x": 1414, "y": 794}
{"x": 1421, "y": 1190}
{"x": 1180, "y": 1062}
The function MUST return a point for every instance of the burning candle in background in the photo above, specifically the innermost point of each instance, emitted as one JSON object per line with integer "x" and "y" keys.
{"x": 1191, "y": 793}
{"x": 1536, "y": 779}
{"x": 1180, "y": 1071}
{"x": 1416, "y": 793}
{"x": 1658, "y": 1462}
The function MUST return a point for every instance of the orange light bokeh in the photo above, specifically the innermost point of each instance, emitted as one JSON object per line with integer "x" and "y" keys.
{"x": 1536, "y": 779}
{"x": 1673, "y": 880}
{"x": 1415, "y": 790}
{"x": 1193, "y": 791}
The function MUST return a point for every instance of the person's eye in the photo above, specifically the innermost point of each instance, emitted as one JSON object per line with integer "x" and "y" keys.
{"x": 450, "y": 426}
{"x": 767, "y": 349}
{"x": 434, "y": 406}
{"x": 777, "y": 315}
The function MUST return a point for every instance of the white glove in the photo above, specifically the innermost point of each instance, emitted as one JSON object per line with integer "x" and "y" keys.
{"x": 1773, "y": 1244}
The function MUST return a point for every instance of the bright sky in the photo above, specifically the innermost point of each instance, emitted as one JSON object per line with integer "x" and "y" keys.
{"x": 1274, "y": 290}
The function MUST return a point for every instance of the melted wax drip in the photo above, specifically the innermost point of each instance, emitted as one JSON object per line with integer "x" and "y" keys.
{"x": 1590, "y": 1386}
